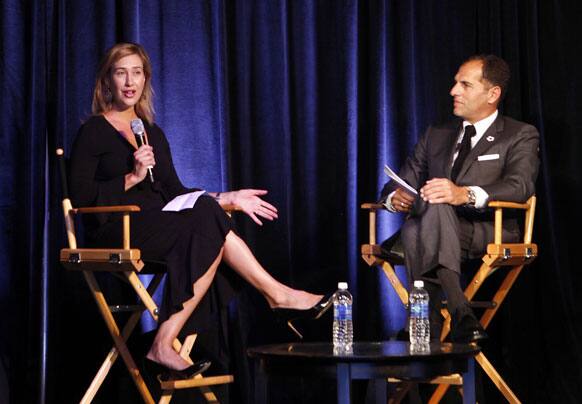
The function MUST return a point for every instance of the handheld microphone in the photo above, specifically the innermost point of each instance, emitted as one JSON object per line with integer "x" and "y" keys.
{"x": 138, "y": 130}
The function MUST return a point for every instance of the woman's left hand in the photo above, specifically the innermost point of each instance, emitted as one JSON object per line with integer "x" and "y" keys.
{"x": 250, "y": 202}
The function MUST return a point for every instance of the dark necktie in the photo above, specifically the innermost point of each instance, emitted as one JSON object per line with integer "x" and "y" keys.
{"x": 463, "y": 151}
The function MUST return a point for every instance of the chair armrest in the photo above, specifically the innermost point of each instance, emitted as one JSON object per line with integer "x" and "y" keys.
{"x": 133, "y": 208}
{"x": 529, "y": 207}
{"x": 373, "y": 206}
{"x": 508, "y": 205}
{"x": 107, "y": 209}
{"x": 125, "y": 209}
{"x": 229, "y": 208}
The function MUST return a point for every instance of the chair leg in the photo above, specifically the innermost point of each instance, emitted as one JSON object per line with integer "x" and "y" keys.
{"x": 486, "y": 318}
{"x": 401, "y": 392}
{"x": 438, "y": 394}
{"x": 396, "y": 284}
{"x": 496, "y": 379}
{"x": 166, "y": 396}
{"x": 501, "y": 293}
{"x": 110, "y": 360}
{"x": 143, "y": 294}
{"x": 117, "y": 337}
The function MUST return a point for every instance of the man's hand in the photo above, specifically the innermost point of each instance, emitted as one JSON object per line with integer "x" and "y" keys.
{"x": 443, "y": 190}
{"x": 402, "y": 201}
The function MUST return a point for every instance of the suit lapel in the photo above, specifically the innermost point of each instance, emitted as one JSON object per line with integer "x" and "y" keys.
{"x": 489, "y": 138}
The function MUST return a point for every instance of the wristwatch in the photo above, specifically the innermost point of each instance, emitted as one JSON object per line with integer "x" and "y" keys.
{"x": 472, "y": 198}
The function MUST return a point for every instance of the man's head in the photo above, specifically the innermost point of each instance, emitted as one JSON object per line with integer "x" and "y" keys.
{"x": 480, "y": 85}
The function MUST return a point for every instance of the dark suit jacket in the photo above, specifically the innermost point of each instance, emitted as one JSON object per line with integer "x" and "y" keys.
{"x": 510, "y": 177}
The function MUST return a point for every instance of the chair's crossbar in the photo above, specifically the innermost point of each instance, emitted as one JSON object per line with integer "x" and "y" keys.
{"x": 122, "y": 308}
{"x": 196, "y": 382}
{"x": 479, "y": 304}
{"x": 455, "y": 379}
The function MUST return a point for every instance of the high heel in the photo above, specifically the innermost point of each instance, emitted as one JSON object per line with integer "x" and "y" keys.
{"x": 313, "y": 313}
{"x": 164, "y": 373}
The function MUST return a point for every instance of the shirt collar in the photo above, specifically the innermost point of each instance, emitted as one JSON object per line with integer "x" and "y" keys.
{"x": 480, "y": 126}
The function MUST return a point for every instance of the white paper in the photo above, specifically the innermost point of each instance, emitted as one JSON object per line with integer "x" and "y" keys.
{"x": 399, "y": 180}
{"x": 181, "y": 202}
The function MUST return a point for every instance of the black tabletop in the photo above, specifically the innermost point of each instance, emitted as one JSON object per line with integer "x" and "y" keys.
{"x": 363, "y": 352}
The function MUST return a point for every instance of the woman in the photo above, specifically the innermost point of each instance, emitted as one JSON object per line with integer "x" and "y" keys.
{"x": 109, "y": 168}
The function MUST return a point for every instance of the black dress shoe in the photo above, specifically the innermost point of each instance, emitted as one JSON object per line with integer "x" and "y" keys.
{"x": 166, "y": 373}
{"x": 475, "y": 335}
{"x": 467, "y": 330}
{"x": 313, "y": 313}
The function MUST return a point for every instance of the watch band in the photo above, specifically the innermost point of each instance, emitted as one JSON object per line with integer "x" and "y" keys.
{"x": 472, "y": 198}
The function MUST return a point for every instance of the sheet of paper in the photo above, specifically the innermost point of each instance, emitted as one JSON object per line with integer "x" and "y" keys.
{"x": 399, "y": 180}
{"x": 185, "y": 201}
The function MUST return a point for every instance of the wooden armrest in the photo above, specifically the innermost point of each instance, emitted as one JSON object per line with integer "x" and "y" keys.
{"x": 107, "y": 209}
{"x": 125, "y": 209}
{"x": 132, "y": 208}
{"x": 373, "y": 206}
{"x": 529, "y": 208}
{"x": 231, "y": 208}
{"x": 509, "y": 205}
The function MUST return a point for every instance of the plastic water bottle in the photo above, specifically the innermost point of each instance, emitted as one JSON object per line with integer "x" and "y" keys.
{"x": 418, "y": 324}
{"x": 343, "y": 332}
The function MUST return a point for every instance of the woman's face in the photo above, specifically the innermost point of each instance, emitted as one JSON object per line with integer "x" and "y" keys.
{"x": 127, "y": 82}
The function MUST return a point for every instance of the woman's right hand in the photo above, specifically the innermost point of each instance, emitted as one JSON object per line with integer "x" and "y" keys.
{"x": 143, "y": 158}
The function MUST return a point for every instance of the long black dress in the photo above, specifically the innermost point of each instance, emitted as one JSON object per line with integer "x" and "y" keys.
{"x": 187, "y": 241}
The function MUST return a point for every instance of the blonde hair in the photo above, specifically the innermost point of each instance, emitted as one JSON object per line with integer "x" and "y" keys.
{"x": 102, "y": 99}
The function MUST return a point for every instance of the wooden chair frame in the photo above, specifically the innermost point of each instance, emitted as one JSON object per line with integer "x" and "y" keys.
{"x": 125, "y": 262}
{"x": 498, "y": 255}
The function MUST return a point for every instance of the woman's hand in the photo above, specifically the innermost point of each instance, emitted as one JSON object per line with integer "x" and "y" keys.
{"x": 143, "y": 158}
{"x": 250, "y": 202}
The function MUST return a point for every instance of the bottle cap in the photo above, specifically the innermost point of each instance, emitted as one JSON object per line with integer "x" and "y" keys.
{"x": 418, "y": 284}
{"x": 342, "y": 285}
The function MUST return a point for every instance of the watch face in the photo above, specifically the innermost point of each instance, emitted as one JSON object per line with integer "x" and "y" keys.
{"x": 471, "y": 197}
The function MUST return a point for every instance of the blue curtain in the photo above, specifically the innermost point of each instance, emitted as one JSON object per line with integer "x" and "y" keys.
{"x": 308, "y": 100}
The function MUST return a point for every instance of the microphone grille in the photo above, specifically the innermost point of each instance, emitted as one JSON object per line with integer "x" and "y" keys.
{"x": 137, "y": 126}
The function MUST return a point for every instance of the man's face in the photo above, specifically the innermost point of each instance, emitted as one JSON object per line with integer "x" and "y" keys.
{"x": 473, "y": 97}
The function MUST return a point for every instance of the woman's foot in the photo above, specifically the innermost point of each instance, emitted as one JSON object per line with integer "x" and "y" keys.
{"x": 166, "y": 356}
{"x": 315, "y": 311}
{"x": 294, "y": 299}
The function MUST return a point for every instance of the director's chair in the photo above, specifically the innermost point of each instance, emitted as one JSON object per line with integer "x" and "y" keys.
{"x": 125, "y": 263}
{"x": 512, "y": 257}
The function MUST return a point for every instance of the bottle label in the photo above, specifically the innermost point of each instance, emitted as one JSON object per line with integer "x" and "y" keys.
{"x": 419, "y": 310}
{"x": 342, "y": 312}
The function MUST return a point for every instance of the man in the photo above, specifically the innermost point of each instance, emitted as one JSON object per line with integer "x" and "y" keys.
{"x": 458, "y": 168}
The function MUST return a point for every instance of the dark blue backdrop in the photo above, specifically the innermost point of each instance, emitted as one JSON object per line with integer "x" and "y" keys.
{"x": 308, "y": 100}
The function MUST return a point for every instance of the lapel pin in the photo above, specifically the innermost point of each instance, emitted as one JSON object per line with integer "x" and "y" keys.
{"x": 490, "y": 138}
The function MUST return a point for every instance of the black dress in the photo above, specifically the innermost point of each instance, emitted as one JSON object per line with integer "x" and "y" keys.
{"x": 187, "y": 241}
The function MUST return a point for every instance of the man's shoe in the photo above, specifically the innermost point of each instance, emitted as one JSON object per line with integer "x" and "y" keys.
{"x": 467, "y": 330}
{"x": 469, "y": 336}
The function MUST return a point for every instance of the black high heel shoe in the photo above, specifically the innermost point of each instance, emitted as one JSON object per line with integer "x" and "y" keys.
{"x": 164, "y": 373}
{"x": 313, "y": 313}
